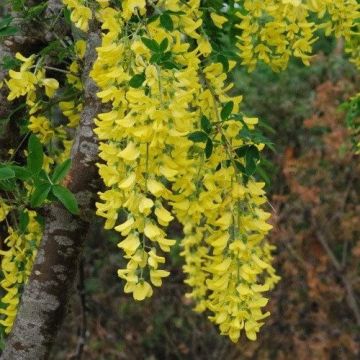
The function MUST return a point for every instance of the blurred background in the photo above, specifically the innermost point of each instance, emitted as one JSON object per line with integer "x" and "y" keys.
{"x": 313, "y": 185}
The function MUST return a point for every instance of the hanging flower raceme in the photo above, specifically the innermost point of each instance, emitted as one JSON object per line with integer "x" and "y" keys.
{"x": 139, "y": 136}
{"x": 41, "y": 97}
{"x": 16, "y": 265}
{"x": 154, "y": 166}
{"x": 174, "y": 142}
{"x": 72, "y": 108}
{"x": 353, "y": 46}
{"x": 26, "y": 82}
{"x": 273, "y": 31}
{"x": 224, "y": 225}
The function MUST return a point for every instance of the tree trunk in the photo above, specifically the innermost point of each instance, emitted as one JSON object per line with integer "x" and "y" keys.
{"x": 46, "y": 295}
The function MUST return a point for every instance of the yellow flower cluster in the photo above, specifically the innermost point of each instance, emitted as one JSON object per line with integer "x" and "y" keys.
{"x": 154, "y": 172}
{"x": 30, "y": 81}
{"x": 26, "y": 82}
{"x": 16, "y": 266}
{"x": 80, "y": 14}
{"x": 224, "y": 225}
{"x": 136, "y": 154}
{"x": 273, "y": 31}
{"x": 353, "y": 47}
{"x": 72, "y": 109}
{"x": 171, "y": 139}
{"x": 4, "y": 210}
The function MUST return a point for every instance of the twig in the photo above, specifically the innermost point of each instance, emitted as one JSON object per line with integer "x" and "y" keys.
{"x": 329, "y": 252}
{"x": 351, "y": 299}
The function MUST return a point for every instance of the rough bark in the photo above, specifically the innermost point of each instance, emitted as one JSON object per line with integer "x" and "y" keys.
{"x": 46, "y": 295}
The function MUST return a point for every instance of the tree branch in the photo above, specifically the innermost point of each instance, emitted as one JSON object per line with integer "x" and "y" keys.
{"x": 46, "y": 295}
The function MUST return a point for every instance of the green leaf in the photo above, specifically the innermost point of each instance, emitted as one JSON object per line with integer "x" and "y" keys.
{"x": 137, "y": 80}
{"x": 40, "y": 194}
{"x": 9, "y": 63}
{"x": 61, "y": 171}
{"x": 35, "y": 11}
{"x": 5, "y": 28}
{"x": 23, "y": 221}
{"x": 240, "y": 167}
{"x": 6, "y": 173}
{"x": 5, "y": 22}
{"x": 166, "y": 22}
{"x": 164, "y": 45}
{"x": 151, "y": 44}
{"x": 263, "y": 174}
{"x": 155, "y": 58}
{"x": 241, "y": 151}
{"x": 198, "y": 136}
{"x": 169, "y": 65}
{"x": 67, "y": 198}
{"x": 209, "y": 148}
{"x": 8, "y": 185}
{"x": 21, "y": 172}
{"x": 252, "y": 157}
{"x": 256, "y": 137}
{"x": 176, "y": 12}
{"x": 153, "y": 18}
{"x": 224, "y": 61}
{"x": 17, "y": 5}
{"x": 226, "y": 110}
{"x": 8, "y": 31}
{"x": 36, "y": 155}
{"x": 67, "y": 15}
{"x": 206, "y": 124}
{"x": 42, "y": 176}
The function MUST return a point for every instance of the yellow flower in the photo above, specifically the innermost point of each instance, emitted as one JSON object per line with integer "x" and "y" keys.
{"x": 130, "y": 6}
{"x": 142, "y": 290}
{"x": 130, "y": 244}
{"x": 16, "y": 266}
{"x": 4, "y": 209}
{"x": 80, "y": 14}
{"x": 218, "y": 20}
{"x": 51, "y": 85}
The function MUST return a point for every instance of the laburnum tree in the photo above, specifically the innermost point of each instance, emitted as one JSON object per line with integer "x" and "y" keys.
{"x": 126, "y": 110}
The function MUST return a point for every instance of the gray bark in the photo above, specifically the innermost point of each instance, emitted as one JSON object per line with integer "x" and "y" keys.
{"x": 46, "y": 295}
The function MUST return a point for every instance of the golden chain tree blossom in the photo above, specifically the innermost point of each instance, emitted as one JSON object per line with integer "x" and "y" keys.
{"x": 174, "y": 143}
{"x": 16, "y": 266}
{"x": 274, "y": 31}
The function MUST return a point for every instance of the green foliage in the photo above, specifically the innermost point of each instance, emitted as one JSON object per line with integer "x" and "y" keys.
{"x": 166, "y": 22}
{"x": 35, "y": 156}
{"x": 6, "y": 173}
{"x": 66, "y": 197}
{"x": 61, "y": 171}
{"x": 13, "y": 178}
{"x": 40, "y": 194}
{"x": 352, "y": 120}
{"x": 46, "y": 185}
{"x": 209, "y": 147}
{"x": 23, "y": 221}
{"x": 160, "y": 56}
{"x": 5, "y": 27}
{"x": 226, "y": 110}
{"x": 198, "y": 136}
{"x": 206, "y": 124}
{"x": 137, "y": 80}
